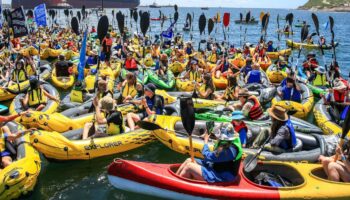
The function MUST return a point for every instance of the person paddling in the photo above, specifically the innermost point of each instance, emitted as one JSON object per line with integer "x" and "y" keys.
{"x": 249, "y": 105}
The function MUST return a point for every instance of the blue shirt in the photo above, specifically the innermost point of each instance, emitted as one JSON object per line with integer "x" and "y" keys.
{"x": 254, "y": 76}
{"x": 291, "y": 94}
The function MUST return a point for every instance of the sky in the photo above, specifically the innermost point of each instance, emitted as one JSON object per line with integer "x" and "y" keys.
{"x": 225, "y": 3}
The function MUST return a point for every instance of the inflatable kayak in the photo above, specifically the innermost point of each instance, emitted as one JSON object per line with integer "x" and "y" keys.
{"x": 177, "y": 67}
{"x": 66, "y": 102}
{"x": 302, "y": 181}
{"x": 20, "y": 177}
{"x": 11, "y": 91}
{"x": 316, "y": 90}
{"x": 50, "y": 107}
{"x": 301, "y": 110}
{"x": 62, "y": 82}
{"x": 275, "y": 75}
{"x": 141, "y": 75}
{"x": 238, "y": 61}
{"x": 308, "y": 148}
{"x": 275, "y": 55}
{"x": 264, "y": 64}
{"x": 166, "y": 83}
{"x": 297, "y": 45}
{"x": 69, "y": 146}
{"x": 219, "y": 83}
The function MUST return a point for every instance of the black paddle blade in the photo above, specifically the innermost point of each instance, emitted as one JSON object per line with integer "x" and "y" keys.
{"x": 121, "y": 20}
{"x": 202, "y": 23}
{"x": 66, "y": 12}
{"x": 30, "y": 13}
{"x": 175, "y": 7}
{"x": 304, "y": 33}
{"x": 176, "y": 16}
{"x": 131, "y": 12}
{"x": 278, "y": 21}
{"x": 71, "y": 13}
{"x": 135, "y": 16}
{"x": 247, "y": 17}
{"x": 263, "y": 23}
{"x": 140, "y": 13}
{"x": 289, "y": 18}
{"x": 102, "y": 27}
{"x": 240, "y": 17}
{"x": 79, "y": 15}
{"x": 331, "y": 23}
{"x": 210, "y": 25}
{"x": 148, "y": 125}
{"x": 189, "y": 18}
{"x": 317, "y": 25}
{"x": 346, "y": 125}
{"x": 187, "y": 114}
{"x": 83, "y": 11}
{"x": 144, "y": 22}
{"x": 75, "y": 25}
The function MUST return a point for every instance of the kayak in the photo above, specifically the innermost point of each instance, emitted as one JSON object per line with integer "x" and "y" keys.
{"x": 309, "y": 46}
{"x": 11, "y": 91}
{"x": 66, "y": 102}
{"x": 325, "y": 121}
{"x": 50, "y": 107}
{"x": 244, "y": 22}
{"x": 301, "y": 109}
{"x": 20, "y": 177}
{"x": 219, "y": 83}
{"x": 50, "y": 53}
{"x": 264, "y": 64}
{"x": 173, "y": 135}
{"x": 301, "y": 25}
{"x": 166, "y": 83}
{"x": 69, "y": 146}
{"x": 316, "y": 90}
{"x": 62, "y": 82}
{"x": 238, "y": 61}
{"x": 302, "y": 181}
{"x": 275, "y": 55}
{"x": 275, "y": 75}
{"x": 29, "y": 51}
{"x": 90, "y": 79}
{"x": 225, "y": 116}
{"x": 177, "y": 67}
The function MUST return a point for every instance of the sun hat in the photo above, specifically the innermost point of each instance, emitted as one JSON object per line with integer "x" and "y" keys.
{"x": 278, "y": 113}
{"x": 321, "y": 70}
{"x": 244, "y": 92}
{"x": 338, "y": 84}
{"x": 237, "y": 115}
{"x": 224, "y": 132}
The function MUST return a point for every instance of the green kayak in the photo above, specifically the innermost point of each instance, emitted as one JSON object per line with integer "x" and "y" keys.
{"x": 166, "y": 83}
{"x": 142, "y": 77}
{"x": 316, "y": 90}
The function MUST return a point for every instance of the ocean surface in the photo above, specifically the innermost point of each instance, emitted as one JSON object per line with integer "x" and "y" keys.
{"x": 88, "y": 179}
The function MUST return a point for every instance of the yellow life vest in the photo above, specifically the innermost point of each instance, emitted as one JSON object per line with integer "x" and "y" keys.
{"x": 29, "y": 70}
{"x": 2, "y": 141}
{"x": 212, "y": 58}
{"x": 194, "y": 76}
{"x": 129, "y": 90}
{"x": 20, "y": 75}
{"x": 77, "y": 96}
{"x": 36, "y": 97}
{"x": 230, "y": 93}
{"x": 320, "y": 80}
{"x": 114, "y": 129}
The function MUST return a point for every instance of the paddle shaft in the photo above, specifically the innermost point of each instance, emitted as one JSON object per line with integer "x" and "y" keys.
{"x": 191, "y": 149}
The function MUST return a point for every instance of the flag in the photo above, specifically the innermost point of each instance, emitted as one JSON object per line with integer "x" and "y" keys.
{"x": 325, "y": 25}
{"x": 169, "y": 32}
{"x": 82, "y": 59}
{"x": 18, "y": 23}
{"x": 40, "y": 15}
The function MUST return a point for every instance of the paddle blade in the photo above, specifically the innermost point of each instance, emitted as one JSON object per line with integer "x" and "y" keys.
{"x": 121, "y": 20}
{"x": 187, "y": 114}
{"x": 83, "y": 11}
{"x": 175, "y": 7}
{"x": 278, "y": 21}
{"x": 210, "y": 25}
{"x": 131, "y": 13}
{"x": 331, "y": 22}
{"x": 261, "y": 16}
{"x": 135, "y": 16}
{"x": 144, "y": 22}
{"x": 148, "y": 125}
{"x": 75, "y": 25}
{"x": 202, "y": 23}
{"x": 176, "y": 16}
{"x": 317, "y": 25}
{"x": 240, "y": 17}
{"x": 247, "y": 17}
{"x": 289, "y": 19}
{"x": 102, "y": 27}
{"x": 66, "y": 12}
{"x": 304, "y": 33}
{"x": 79, "y": 15}
{"x": 30, "y": 14}
{"x": 226, "y": 19}
{"x": 263, "y": 23}
{"x": 250, "y": 163}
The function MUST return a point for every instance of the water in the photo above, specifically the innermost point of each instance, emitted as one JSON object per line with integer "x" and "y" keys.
{"x": 88, "y": 179}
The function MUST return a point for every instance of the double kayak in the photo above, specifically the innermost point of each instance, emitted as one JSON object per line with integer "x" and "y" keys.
{"x": 303, "y": 181}
{"x": 297, "y": 45}
{"x": 62, "y": 82}
{"x": 275, "y": 74}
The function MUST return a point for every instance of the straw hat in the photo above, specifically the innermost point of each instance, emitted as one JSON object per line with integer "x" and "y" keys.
{"x": 278, "y": 113}
{"x": 243, "y": 93}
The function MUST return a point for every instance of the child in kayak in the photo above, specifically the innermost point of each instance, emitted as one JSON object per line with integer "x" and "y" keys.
{"x": 220, "y": 165}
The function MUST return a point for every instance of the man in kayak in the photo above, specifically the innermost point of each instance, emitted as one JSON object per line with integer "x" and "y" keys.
{"x": 310, "y": 64}
{"x": 254, "y": 76}
{"x": 249, "y": 105}
{"x": 290, "y": 92}
{"x": 281, "y": 136}
{"x": 319, "y": 77}
{"x": 338, "y": 171}
{"x": 222, "y": 164}
{"x": 247, "y": 68}
{"x": 36, "y": 97}
{"x": 152, "y": 104}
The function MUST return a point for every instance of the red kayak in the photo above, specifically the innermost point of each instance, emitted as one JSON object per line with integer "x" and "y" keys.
{"x": 155, "y": 19}
{"x": 161, "y": 181}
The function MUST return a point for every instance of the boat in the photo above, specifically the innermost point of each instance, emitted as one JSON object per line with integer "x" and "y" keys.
{"x": 275, "y": 74}
{"x": 167, "y": 83}
{"x": 154, "y": 5}
{"x": 20, "y": 177}
{"x": 77, "y": 4}
{"x": 297, "y": 45}
{"x": 62, "y": 82}
{"x": 204, "y": 8}
{"x": 302, "y": 181}
{"x": 251, "y": 22}
{"x": 173, "y": 135}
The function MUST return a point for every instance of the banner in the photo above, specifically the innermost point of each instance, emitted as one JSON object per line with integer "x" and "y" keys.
{"x": 82, "y": 60}
{"x": 169, "y": 32}
{"x": 40, "y": 15}
{"x": 18, "y": 23}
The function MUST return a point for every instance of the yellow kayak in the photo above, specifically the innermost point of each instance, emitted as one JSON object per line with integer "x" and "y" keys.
{"x": 301, "y": 109}
{"x": 275, "y": 55}
{"x": 29, "y": 51}
{"x": 177, "y": 67}
{"x": 20, "y": 177}
{"x": 238, "y": 61}
{"x": 62, "y": 82}
{"x": 297, "y": 45}
{"x": 275, "y": 75}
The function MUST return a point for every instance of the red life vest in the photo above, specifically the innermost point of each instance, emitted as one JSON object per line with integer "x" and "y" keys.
{"x": 109, "y": 41}
{"x": 130, "y": 64}
{"x": 256, "y": 111}
{"x": 313, "y": 64}
{"x": 239, "y": 125}
{"x": 338, "y": 96}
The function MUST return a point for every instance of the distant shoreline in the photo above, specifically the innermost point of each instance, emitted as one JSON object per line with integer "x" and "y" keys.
{"x": 334, "y": 9}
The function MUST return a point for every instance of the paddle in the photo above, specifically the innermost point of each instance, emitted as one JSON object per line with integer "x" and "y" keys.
{"x": 188, "y": 119}
{"x": 263, "y": 25}
{"x": 75, "y": 25}
{"x": 303, "y": 36}
{"x": 345, "y": 130}
{"x": 135, "y": 16}
{"x": 251, "y": 161}
{"x": 317, "y": 26}
{"x": 79, "y": 15}
{"x": 290, "y": 19}
{"x": 240, "y": 28}
{"x": 226, "y": 22}
{"x": 247, "y": 19}
{"x": 262, "y": 14}
{"x": 144, "y": 25}
{"x": 331, "y": 22}
{"x": 121, "y": 22}
{"x": 201, "y": 23}
{"x": 210, "y": 25}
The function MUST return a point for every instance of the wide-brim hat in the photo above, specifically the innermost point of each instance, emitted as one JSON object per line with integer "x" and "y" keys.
{"x": 243, "y": 93}
{"x": 224, "y": 132}
{"x": 237, "y": 115}
{"x": 278, "y": 113}
{"x": 151, "y": 87}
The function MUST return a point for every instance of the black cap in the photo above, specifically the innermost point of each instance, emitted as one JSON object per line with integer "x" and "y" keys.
{"x": 150, "y": 87}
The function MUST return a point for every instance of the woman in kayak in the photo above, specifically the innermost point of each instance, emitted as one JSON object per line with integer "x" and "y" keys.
{"x": 206, "y": 90}
{"x": 220, "y": 165}
{"x": 337, "y": 170}
{"x": 128, "y": 88}
{"x": 231, "y": 92}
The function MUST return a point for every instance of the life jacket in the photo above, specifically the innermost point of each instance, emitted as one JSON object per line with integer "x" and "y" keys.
{"x": 3, "y": 137}
{"x": 188, "y": 51}
{"x": 224, "y": 67}
{"x": 20, "y": 75}
{"x": 291, "y": 94}
{"x": 290, "y": 144}
{"x": 77, "y": 96}
{"x": 339, "y": 96}
{"x": 194, "y": 76}
{"x": 313, "y": 64}
{"x": 204, "y": 88}
{"x": 241, "y": 128}
{"x": 130, "y": 64}
{"x": 36, "y": 97}
{"x": 256, "y": 111}
{"x": 320, "y": 80}
{"x": 230, "y": 93}
{"x": 270, "y": 48}
{"x": 29, "y": 70}
{"x": 254, "y": 77}
{"x": 212, "y": 58}
{"x": 129, "y": 90}
{"x": 230, "y": 166}
{"x": 108, "y": 42}
{"x": 117, "y": 126}
{"x": 246, "y": 52}
{"x": 158, "y": 101}
{"x": 245, "y": 70}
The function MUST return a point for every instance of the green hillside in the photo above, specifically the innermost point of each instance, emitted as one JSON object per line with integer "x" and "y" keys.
{"x": 321, "y": 4}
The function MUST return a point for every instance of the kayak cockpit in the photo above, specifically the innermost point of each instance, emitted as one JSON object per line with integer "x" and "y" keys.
{"x": 319, "y": 174}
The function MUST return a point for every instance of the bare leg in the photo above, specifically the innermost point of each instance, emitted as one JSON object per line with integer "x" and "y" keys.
{"x": 6, "y": 161}
{"x": 192, "y": 171}
{"x": 87, "y": 127}
{"x": 40, "y": 107}
{"x": 325, "y": 162}
{"x": 188, "y": 160}
{"x": 218, "y": 74}
{"x": 132, "y": 118}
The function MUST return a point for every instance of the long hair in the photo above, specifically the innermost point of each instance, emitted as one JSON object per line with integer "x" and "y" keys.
{"x": 209, "y": 82}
